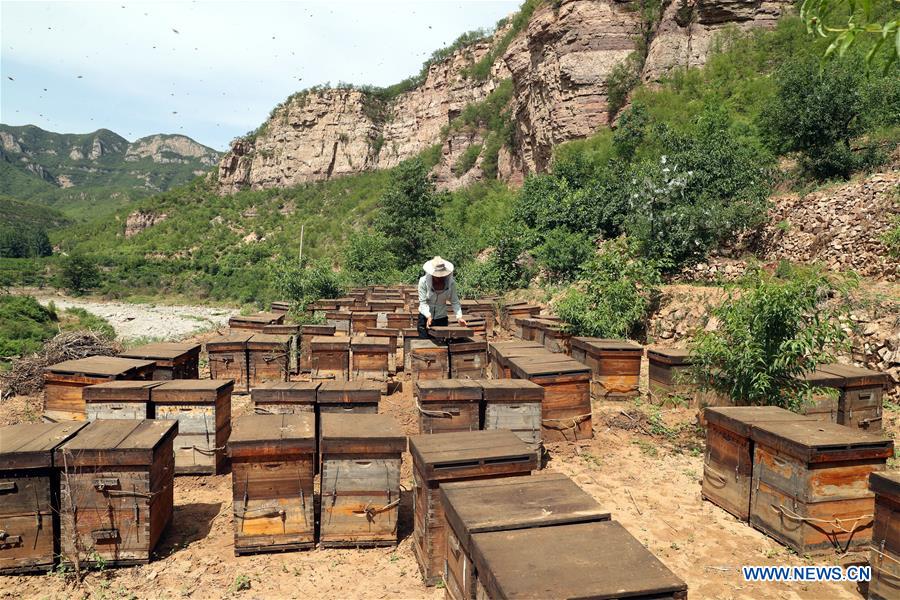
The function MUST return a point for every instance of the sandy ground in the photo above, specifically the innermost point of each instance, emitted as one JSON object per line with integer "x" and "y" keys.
{"x": 649, "y": 483}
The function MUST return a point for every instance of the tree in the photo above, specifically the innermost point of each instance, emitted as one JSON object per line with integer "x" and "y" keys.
{"x": 770, "y": 331}
{"x": 79, "y": 273}
{"x": 302, "y": 285}
{"x": 846, "y": 22}
{"x": 562, "y": 253}
{"x": 368, "y": 259}
{"x": 408, "y": 214}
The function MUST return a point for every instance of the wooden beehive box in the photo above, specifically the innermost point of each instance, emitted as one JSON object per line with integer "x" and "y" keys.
{"x": 554, "y": 336}
{"x": 280, "y": 307}
{"x": 340, "y": 320}
{"x": 174, "y": 360}
{"x": 392, "y": 336}
{"x": 468, "y": 359}
{"x": 285, "y": 397}
{"x": 323, "y": 305}
{"x": 349, "y": 396}
{"x": 516, "y": 405}
{"x": 29, "y": 495}
{"x": 268, "y": 358}
{"x": 581, "y": 560}
{"x": 448, "y": 405}
{"x": 810, "y": 489}
{"x": 273, "y": 461}
{"x": 448, "y": 333}
{"x": 370, "y": 358}
{"x": 510, "y": 312}
{"x": 400, "y": 320}
{"x": 202, "y": 408}
{"x": 64, "y": 382}
{"x": 541, "y": 500}
{"x": 428, "y": 360}
{"x": 330, "y": 358}
{"x": 119, "y": 399}
{"x": 228, "y": 359}
{"x": 459, "y": 456}
{"x": 728, "y": 467}
{"x": 255, "y": 322}
{"x": 566, "y": 410}
{"x": 615, "y": 365}
{"x": 825, "y": 400}
{"x": 409, "y": 334}
{"x": 525, "y": 330}
{"x": 362, "y": 322}
{"x": 884, "y": 556}
{"x": 387, "y": 305}
{"x": 293, "y": 331}
{"x": 477, "y": 325}
{"x": 669, "y": 374}
{"x": 116, "y": 491}
{"x": 307, "y": 333}
{"x": 360, "y": 479}
{"x": 500, "y": 352}
{"x": 860, "y": 404}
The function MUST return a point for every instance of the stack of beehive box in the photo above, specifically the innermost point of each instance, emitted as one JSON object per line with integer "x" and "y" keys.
{"x": 255, "y": 322}
{"x": 173, "y": 360}
{"x": 249, "y": 358}
{"x": 849, "y": 395}
{"x": 615, "y": 366}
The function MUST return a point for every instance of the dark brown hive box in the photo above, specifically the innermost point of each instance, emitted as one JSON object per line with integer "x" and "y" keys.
{"x": 468, "y": 359}
{"x": 362, "y": 322}
{"x": 450, "y": 332}
{"x": 615, "y": 365}
{"x": 728, "y": 467}
{"x": 330, "y": 358}
{"x": 361, "y": 456}
{"x": 273, "y": 466}
{"x": 255, "y": 322}
{"x": 669, "y": 372}
{"x": 500, "y": 352}
{"x": 280, "y": 307}
{"x": 566, "y": 410}
{"x": 448, "y": 405}
{"x": 884, "y": 556}
{"x": 510, "y": 312}
{"x": 65, "y": 381}
{"x": 400, "y": 320}
{"x": 29, "y": 495}
{"x": 824, "y": 403}
{"x": 202, "y": 408}
{"x": 506, "y": 504}
{"x": 860, "y": 404}
{"x": 228, "y": 359}
{"x": 428, "y": 360}
{"x": 120, "y": 399}
{"x": 409, "y": 334}
{"x": 349, "y": 396}
{"x": 370, "y": 358}
{"x": 268, "y": 358}
{"x": 444, "y": 457}
{"x": 811, "y": 484}
{"x": 307, "y": 333}
{"x": 516, "y": 405}
{"x": 554, "y": 336}
{"x": 598, "y": 560}
{"x": 116, "y": 491}
{"x": 285, "y": 397}
{"x": 340, "y": 320}
{"x": 174, "y": 360}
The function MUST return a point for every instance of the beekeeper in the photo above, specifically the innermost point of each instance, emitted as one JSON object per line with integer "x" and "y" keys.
{"x": 436, "y": 288}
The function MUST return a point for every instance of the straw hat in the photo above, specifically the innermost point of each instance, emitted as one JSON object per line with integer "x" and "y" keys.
{"x": 438, "y": 267}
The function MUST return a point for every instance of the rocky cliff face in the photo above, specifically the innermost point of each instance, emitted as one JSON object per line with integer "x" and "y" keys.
{"x": 138, "y": 221}
{"x": 169, "y": 149}
{"x": 558, "y": 64}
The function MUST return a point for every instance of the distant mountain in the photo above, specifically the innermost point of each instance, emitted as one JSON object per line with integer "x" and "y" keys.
{"x": 85, "y": 175}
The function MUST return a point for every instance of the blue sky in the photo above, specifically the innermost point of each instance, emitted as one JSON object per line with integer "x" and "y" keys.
{"x": 211, "y": 70}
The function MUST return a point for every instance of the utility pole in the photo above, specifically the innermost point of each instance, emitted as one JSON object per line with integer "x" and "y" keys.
{"x": 302, "y": 227}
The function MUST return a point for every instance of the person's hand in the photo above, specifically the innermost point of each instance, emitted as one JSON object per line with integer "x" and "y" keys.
{"x": 428, "y": 322}
{"x": 462, "y": 322}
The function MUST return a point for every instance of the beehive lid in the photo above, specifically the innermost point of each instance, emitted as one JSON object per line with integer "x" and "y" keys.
{"x": 382, "y": 332}
{"x": 444, "y": 390}
{"x": 101, "y": 366}
{"x": 267, "y": 341}
{"x": 264, "y": 318}
{"x": 597, "y": 345}
{"x": 466, "y": 345}
{"x": 31, "y": 445}
{"x": 857, "y": 376}
{"x": 272, "y": 435}
{"x": 364, "y": 315}
{"x": 338, "y": 392}
{"x": 669, "y": 356}
{"x": 449, "y": 455}
{"x": 450, "y": 332}
{"x": 741, "y": 419}
{"x": 816, "y": 441}
{"x": 362, "y": 343}
{"x": 317, "y": 330}
{"x": 116, "y": 442}
{"x": 119, "y": 391}
{"x": 511, "y": 390}
{"x": 285, "y": 392}
{"x": 599, "y": 560}
{"x": 324, "y": 342}
{"x": 535, "y": 500}
{"x": 361, "y": 433}
{"x": 282, "y": 329}
{"x": 551, "y": 364}
{"x": 886, "y": 483}
{"x": 235, "y": 339}
{"x": 191, "y": 391}
{"x": 162, "y": 351}
{"x": 410, "y": 332}
{"x": 822, "y": 378}
{"x": 425, "y": 344}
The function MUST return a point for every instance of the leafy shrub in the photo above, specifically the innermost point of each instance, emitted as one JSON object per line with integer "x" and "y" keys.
{"x": 368, "y": 259}
{"x": 467, "y": 160}
{"x": 616, "y": 295}
{"x": 481, "y": 70}
{"x": 79, "y": 274}
{"x": 24, "y": 325}
{"x": 770, "y": 330}
{"x": 891, "y": 239}
{"x": 24, "y": 241}
{"x": 562, "y": 253}
{"x": 302, "y": 285}
{"x": 623, "y": 78}
{"x": 408, "y": 214}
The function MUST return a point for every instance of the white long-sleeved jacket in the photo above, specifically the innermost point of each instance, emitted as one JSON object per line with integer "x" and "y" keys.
{"x": 434, "y": 304}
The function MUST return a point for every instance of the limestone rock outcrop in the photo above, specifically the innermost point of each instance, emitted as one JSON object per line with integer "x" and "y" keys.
{"x": 138, "y": 221}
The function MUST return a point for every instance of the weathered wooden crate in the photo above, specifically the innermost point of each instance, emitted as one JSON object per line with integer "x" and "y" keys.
{"x": 370, "y": 358}
{"x": 340, "y": 320}
{"x": 362, "y": 322}
{"x": 268, "y": 358}
{"x": 669, "y": 375}
{"x": 448, "y": 405}
{"x": 29, "y": 495}
{"x": 566, "y": 410}
{"x": 273, "y": 467}
{"x": 468, "y": 359}
{"x": 349, "y": 396}
{"x": 481, "y": 309}
{"x": 525, "y": 329}
{"x": 810, "y": 484}
{"x": 360, "y": 479}
{"x": 387, "y": 305}
{"x": 116, "y": 491}
{"x": 400, "y": 320}
{"x": 409, "y": 334}
{"x": 280, "y": 307}
{"x": 516, "y": 405}
{"x": 499, "y": 354}
{"x": 64, "y": 382}
{"x": 255, "y": 322}
{"x": 330, "y": 358}
{"x": 541, "y": 500}
{"x": 449, "y": 333}
{"x": 825, "y": 400}
{"x": 554, "y": 336}
{"x": 285, "y": 397}
{"x": 393, "y": 337}
{"x": 119, "y": 400}
{"x": 884, "y": 555}
{"x": 860, "y": 404}
{"x": 549, "y": 562}
{"x": 323, "y": 305}
{"x": 428, "y": 360}
{"x": 228, "y": 359}
{"x": 477, "y": 325}
{"x": 202, "y": 408}
{"x": 293, "y": 331}
{"x": 307, "y": 333}
{"x": 728, "y": 468}
{"x": 174, "y": 360}
{"x": 459, "y": 456}
{"x": 510, "y": 312}
{"x": 615, "y": 365}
